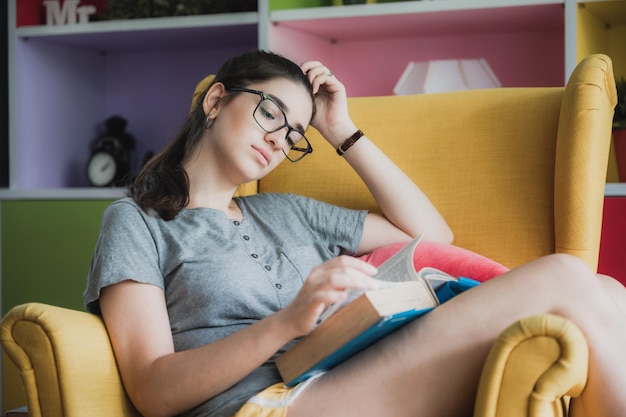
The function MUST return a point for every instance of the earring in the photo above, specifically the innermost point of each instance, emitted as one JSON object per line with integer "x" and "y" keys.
{"x": 208, "y": 122}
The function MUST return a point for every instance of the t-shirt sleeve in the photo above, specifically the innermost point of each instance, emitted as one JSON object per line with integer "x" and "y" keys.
{"x": 341, "y": 228}
{"x": 125, "y": 250}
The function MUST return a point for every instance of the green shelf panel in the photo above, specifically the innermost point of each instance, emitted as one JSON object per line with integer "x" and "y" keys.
{"x": 297, "y": 4}
{"x": 46, "y": 250}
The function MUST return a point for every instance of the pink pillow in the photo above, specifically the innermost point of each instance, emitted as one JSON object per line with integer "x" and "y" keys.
{"x": 451, "y": 259}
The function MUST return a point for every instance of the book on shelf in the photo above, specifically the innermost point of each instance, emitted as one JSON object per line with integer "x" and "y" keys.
{"x": 346, "y": 328}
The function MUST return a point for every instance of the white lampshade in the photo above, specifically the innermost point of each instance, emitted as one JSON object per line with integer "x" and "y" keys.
{"x": 446, "y": 75}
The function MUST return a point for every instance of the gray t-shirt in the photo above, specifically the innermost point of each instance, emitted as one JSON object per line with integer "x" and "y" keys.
{"x": 221, "y": 275}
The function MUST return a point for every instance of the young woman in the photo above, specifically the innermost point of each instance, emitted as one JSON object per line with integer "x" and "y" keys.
{"x": 200, "y": 291}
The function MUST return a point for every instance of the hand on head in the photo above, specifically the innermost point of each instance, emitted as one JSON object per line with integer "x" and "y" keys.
{"x": 332, "y": 118}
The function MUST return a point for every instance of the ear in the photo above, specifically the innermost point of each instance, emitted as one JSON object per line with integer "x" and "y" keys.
{"x": 211, "y": 102}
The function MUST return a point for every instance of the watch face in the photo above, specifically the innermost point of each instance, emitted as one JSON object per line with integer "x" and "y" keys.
{"x": 102, "y": 169}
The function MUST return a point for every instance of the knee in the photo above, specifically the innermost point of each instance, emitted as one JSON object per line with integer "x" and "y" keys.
{"x": 570, "y": 273}
{"x": 580, "y": 294}
{"x": 568, "y": 263}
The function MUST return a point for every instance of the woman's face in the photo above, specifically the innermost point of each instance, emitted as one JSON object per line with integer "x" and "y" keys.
{"x": 244, "y": 145}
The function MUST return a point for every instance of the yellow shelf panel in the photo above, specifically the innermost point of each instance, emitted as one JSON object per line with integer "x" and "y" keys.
{"x": 611, "y": 13}
{"x": 602, "y": 29}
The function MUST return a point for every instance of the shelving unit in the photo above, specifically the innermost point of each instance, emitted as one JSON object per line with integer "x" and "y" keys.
{"x": 66, "y": 80}
{"x": 69, "y": 79}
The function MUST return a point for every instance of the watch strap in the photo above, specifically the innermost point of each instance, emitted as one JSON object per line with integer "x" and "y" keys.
{"x": 341, "y": 149}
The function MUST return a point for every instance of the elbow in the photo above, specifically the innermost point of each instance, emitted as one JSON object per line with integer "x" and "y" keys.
{"x": 147, "y": 408}
{"x": 145, "y": 412}
{"x": 443, "y": 235}
{"x": 152, "y": 409}
{"x": 150, "y": 405}
{"x": 439, "y": 234}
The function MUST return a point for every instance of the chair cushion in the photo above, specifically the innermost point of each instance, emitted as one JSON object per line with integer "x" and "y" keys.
{"x": 451, "y": 259}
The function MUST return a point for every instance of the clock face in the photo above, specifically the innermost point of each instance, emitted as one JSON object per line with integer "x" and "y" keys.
{"x": 102, "y": 169}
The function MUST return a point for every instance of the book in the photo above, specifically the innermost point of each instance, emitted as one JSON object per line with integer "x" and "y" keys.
{"x": 344, "y": 329}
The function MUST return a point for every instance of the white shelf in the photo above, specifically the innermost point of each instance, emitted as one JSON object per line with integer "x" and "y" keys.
{"x": 615, "y": 189}
{"x": 153, "y": 33}
{"x": 63, "y": 194}
{"x": 132, "y": 25}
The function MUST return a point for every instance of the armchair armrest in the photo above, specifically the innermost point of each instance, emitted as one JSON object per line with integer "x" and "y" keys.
{"x": 533, "y": 368}
{"x": 57, "y": 350}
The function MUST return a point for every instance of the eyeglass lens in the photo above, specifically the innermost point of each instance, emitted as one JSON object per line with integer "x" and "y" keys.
{"x": 271, "y": 118}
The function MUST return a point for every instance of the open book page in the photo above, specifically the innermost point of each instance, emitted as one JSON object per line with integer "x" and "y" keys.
{"x": 435, "y": 277}
{"x": 400, "y": 266}
{"x": 397, "y": 268}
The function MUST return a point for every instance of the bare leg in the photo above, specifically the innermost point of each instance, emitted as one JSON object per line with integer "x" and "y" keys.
{"x": 616, "y": 290}
{"x": 599, "y": 386}
{"x": 431, "y": 367}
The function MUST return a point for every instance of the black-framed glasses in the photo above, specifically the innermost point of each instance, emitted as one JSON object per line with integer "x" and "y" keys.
{"x": 270, "y": 117}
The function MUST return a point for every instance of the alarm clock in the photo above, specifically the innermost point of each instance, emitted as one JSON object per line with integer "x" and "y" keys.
{"x": 109, "y": 163}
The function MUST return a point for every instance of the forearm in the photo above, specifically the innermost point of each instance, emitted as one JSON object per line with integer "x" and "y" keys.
{"x": 179, "y": 381}
{"x": 399, "y": 198}
{"x": 401, "y": 201}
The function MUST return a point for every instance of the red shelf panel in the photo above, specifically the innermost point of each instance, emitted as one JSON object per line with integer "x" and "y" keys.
{"x": 613, "y": 246}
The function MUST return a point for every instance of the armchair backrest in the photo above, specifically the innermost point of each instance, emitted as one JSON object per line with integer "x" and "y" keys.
{"x": 517, "y": 172}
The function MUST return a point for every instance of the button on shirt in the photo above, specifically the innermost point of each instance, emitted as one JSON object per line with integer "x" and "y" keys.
{"x": 265, "y": 257}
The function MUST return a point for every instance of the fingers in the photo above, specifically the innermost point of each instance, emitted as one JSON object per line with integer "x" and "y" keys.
{"x": 325, "y": 286}
{"x": 344, "y": 272}
{"x": 315, "y": 68}
{"x": 319, "y": 75}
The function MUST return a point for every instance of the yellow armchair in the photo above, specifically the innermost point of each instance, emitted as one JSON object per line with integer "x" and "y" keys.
{"x": 518, "y": 172}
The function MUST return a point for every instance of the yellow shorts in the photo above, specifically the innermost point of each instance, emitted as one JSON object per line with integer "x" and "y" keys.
{"x": 272, "y": 401}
